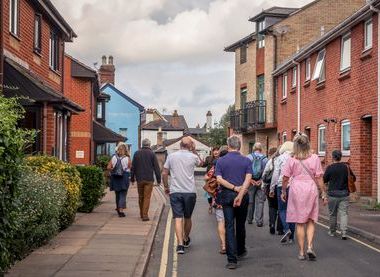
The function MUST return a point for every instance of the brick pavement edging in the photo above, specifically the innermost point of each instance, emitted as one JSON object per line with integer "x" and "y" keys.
{"x": 143, "y": 261}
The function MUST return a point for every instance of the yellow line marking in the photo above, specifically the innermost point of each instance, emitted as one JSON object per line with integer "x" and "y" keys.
{"x": 175, "y": 258}
{"x": 354, "y": 239}
{"x": 165, "y": 248}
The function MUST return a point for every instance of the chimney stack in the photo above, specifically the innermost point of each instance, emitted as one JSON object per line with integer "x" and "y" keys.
{"x": 175, "y": 119}
{"x": 160, "y": 137}
{"x": 208, "y": 121}
{"x": 107, "y": 71}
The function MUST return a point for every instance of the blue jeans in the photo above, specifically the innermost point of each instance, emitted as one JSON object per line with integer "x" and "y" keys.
{"x": 235, "y": 242}
{"x": 282, "y": 206}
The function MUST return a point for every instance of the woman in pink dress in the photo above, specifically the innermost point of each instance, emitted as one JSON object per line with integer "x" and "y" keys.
{"x": 303, "y": 174}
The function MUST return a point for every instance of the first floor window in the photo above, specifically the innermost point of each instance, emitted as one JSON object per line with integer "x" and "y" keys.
{"x": 319, "y": 70}
{"x": 284, "y": 86}
{"x": 99, "y": 110}
{"x": 346, "y": 137}
{"x": 307, "y": 69}
{"x": 368, "y": 34}
{"x": 14, "y": 17}
{"x": 37, "y": 32}
{"x": 294, "y": 78}
{"x": 345, "y": 55}
{"x": 54, "y": 51}
{"x": 322, "y": 140}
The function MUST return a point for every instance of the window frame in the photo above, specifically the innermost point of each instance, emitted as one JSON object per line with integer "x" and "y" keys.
{"x": 54, "y": 51}
{"x": 99, "y": 108}
{"x": 284, "y": 85}
{"x": 366, "y": 37}
{"x": 342, "y": 51}
{"x": 37, "y": 45}
{"x": 320, "y": 63}
{"x": 243, "y": 58}
{"x": 14, "y": 17}
{"x": 343, "y": 124}
{"x": 320, "y": 128}
{"x": 294, "y": 77}
{"x": 284, "y": 137}
{"x": 307, "y": 69}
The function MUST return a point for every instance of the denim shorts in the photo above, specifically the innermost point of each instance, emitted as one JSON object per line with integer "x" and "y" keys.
{"x": 183, "y": 204}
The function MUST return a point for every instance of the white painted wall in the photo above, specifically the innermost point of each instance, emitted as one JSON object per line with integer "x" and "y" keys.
{"x": 152, "y": 135}
{"x": 202, "y": 149}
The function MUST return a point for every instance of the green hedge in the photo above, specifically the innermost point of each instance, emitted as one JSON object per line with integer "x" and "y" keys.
{"x": 39, "y": 207}
{"x": 68, "y": 175}
{"x": 13, "y": 141}
{"x": 92, "y": 187}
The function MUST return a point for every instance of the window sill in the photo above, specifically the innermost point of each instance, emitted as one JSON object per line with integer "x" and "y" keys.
{"x": 283, "y": 101}
{"x": 293, "y": 90}
{"x": 344, "y": 75}
{"x": 37, "y": 52}
{"x": 321, "y": 85}
{"x": 366, "y": 54}
{"x": 55, "y": 72}
{"x": 306, "y": 84}
{"x": 15, "y": 36}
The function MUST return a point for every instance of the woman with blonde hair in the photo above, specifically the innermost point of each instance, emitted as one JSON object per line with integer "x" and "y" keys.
{"x": 120, "y": 168}
{"x": 303, "y": 174}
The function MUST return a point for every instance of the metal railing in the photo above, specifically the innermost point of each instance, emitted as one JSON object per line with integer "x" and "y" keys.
{"x": 251, "y": 117}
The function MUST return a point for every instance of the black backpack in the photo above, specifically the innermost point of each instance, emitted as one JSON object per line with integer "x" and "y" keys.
{"x": 118, "y": 170}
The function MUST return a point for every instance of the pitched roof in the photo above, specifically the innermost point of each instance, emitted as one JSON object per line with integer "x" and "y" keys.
{"x": 274, "y": 12}
{"x": 197, "y": 131}
{"x": 231, "y": 48}
{"x": 126, "y": 97}
{"x": 81, "y": 70}
{"x": 178, "y": 121}
{"x": 102, "y": 134}
{"x": 335, "y": 32}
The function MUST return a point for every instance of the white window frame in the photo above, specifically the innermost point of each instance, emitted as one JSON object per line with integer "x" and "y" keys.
{"x": 320, "y": 128}
{"x": 307, "y": 69}
{"x": 345, "y": 65}
{"x": 14, "y": 17}
{"x": 294, "y": 77}
{"x": 284, "y": 86}
{"x": 53, "y": 51}
{"x": 37, "y": 33}
{"x": 320, "y": 66}
{"x": 99, "y": 110}
{"x": 368, "y": 36}
{"x": 345, "y": 123}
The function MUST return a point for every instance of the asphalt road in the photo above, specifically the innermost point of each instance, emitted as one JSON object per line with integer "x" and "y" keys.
{"x": 266, "y": 256}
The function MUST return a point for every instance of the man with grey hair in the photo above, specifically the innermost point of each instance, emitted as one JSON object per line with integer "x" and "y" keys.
{"x": 144, "y": 166}
{"x": 234, "y": 173}
{"x": 256, "y": 192}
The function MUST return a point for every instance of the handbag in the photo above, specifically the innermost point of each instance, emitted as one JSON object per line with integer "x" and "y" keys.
{"x": 351, "y": 181}
{"x": 211, "y": 184}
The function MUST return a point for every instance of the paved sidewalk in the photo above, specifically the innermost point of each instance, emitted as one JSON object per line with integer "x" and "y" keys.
{"x": 98, "y": 244}
{"x": 361, "y": 221}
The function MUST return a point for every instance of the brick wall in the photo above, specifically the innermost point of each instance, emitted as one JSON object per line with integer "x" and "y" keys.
{"x": 79, "y": 90}
{"x": 339, "y": 98}
{"x": 22, "y": 46}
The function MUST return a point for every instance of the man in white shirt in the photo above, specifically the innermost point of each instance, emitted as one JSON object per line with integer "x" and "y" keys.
{"x": 181, "y": 165}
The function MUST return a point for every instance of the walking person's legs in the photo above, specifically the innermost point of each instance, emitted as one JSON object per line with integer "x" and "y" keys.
{"x": 221, "y": 229}
{"x": 148, "y": 188}
{"x": 310, "y": 230}
{"x": 140, "y": 190}
{"x": 282, "y": 214}
{"x": 260, "y": 198}
{"x": 301, "y": 240}
{"x": 251, "y": 204}
{"x": 272, "y": 214}
{"x": 343, "y": 215}
{"x": 231, "y": 247}
{"x": 241, "y": 217}
{"x": 333, "y": 210}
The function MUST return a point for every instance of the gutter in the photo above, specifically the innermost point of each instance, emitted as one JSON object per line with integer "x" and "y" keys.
{"x": 372, "y": 8}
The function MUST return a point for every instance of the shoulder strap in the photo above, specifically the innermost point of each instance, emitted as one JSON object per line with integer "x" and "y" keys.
{"x": 308, "y": 172}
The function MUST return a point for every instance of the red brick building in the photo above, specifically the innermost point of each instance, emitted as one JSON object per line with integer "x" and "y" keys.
{"x": 33, "y": 37}
{"x": 87, "y": 130}
{"x": 329, "y": 90}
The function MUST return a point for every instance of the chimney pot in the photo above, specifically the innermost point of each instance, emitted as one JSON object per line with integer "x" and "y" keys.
{"x": 104, "y": 60}
{"x": 110, "y": 60}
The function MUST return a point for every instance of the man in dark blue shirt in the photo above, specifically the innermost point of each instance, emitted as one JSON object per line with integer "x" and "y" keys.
{"x": 234, "y": 173}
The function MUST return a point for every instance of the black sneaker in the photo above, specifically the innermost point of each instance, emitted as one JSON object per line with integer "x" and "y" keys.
{"x": 242, "y": 255}
{"x": 180, "y": 249}
{"x": 231, "y": 265}
{"x": 272, "y": 230}
{"x": 286, "y": 236}
{"x": 187, "y": 243}
{"x": 344, "y": 236}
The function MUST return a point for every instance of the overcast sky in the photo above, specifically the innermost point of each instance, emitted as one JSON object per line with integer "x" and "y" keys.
{"x": 168, "y": 53}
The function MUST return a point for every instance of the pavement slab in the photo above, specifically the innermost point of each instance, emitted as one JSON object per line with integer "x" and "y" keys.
{"x": 98, "y": 244}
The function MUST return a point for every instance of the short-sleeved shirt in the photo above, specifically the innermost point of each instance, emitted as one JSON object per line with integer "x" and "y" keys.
{"x": 124, "y": 162}
{"x": 293, "y": 167}
{"x": 181, "y": 165}
{"x": 233, "y": 168}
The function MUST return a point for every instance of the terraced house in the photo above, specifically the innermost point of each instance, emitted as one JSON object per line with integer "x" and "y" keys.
{"x": 279, "y": 33}
{"x": 33, "y": 37}
{"x": 335, "y": 97}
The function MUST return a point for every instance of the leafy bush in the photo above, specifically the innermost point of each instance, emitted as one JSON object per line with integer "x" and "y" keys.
{"x": 39, "y": 203}
{"x": 102, "y": 161}
{"x": 68, "y": 175}
{"x": 92, "y": 187}
{"x": 13, "y": 141}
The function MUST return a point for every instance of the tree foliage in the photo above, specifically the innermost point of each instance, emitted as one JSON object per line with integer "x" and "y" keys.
{"x": 218, "y": 134}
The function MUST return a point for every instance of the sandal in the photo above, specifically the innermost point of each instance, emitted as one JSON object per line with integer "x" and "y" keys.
{"x": 311, "y": 254}
{"x": 223, "y": 251}
{"x": 301, "y": 257}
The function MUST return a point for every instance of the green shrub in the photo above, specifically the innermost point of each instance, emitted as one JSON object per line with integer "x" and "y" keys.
{"x": 40, "y": 203}
{"x": 92, "y": 187}
{"x": 13, "y": 141}
{"x": 68, "y": 175}
{"x": 102, "y": 161}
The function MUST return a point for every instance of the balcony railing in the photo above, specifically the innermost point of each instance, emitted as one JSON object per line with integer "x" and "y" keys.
{"x": 251, "y": 117}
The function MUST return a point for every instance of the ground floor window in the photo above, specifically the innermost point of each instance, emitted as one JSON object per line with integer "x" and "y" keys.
{"x": 61, "y": 129}
{"x": 322, "y": 140}
{"x": 346, "y": 137}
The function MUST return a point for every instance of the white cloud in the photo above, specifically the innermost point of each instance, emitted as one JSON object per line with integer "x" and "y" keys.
{"x": 165, "y": 63}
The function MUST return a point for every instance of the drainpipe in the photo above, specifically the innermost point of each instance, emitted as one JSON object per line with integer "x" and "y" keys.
{"x": 378, "y": 102}
{"x": 44, "y": 130}
{"x": 298, "y": 95}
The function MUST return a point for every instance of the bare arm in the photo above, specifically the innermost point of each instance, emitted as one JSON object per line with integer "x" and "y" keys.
{"x": 165, "y": 179}
{"x": 243, "y": 190}
{"x": 225, "y": 183}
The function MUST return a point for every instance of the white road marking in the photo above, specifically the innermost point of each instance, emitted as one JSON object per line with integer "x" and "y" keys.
{"x": 175, "y": 258}
{"x": 165, "y": 248}
{"x": 354, "y": 239}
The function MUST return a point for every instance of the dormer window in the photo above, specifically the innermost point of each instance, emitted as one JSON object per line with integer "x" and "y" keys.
{"x": 260, "y": 35}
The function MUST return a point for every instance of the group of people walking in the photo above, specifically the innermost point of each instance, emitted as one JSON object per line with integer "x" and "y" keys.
{"x": 292, "y": 179}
